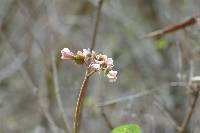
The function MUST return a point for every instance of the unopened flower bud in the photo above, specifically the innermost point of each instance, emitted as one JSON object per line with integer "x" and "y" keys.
{"x": 67, "y": 54}
{"x": 112, "y": 75}
{"x": 109, "y": 61}
{"x": 86, "y": 52}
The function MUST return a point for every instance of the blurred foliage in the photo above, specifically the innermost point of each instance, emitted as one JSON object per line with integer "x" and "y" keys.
{"x": 129, "y": 128}
{"x": 161, "y": 44}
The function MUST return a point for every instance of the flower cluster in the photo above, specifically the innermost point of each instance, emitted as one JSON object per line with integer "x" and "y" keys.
{"x": 95, "y": 62}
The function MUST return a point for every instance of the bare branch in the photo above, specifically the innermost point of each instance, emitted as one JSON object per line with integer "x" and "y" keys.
{"x": 108, "y": 122}
{"x": 100, "y": 4}
{"x": 49, "y": 118}
{"x": 195, "y": 96}
{"x": 131, "y": 97}
{"x": 13, "y": 67}
{"x": 169, "y": 29}
{"x": 166, "y": 113}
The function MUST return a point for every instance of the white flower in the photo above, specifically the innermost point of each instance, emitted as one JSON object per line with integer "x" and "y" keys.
{"x": 112, "y": 75}
{"x": 101, "y": 59}
{"x": 86, "y": 52}
{"x": 66, "y": 54}
{"x": 96, "y": 66}
{"x": 99, "y": 62}
{"x": 109, "y": 61}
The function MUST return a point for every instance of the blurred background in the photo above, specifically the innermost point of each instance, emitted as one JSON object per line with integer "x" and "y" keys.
{"x": 152, "y": 73}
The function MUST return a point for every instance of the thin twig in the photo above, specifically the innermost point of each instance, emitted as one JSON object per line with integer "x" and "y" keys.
{"x": 105, "y": 117}
{"x": 100, "y": 4}
{"x": 10, "y": 69}
{"x": 191, "y": 74}
{"x": 57, "y": 94}
{"x": 165, "y": 112}
{"x": 47, "y": 115}
{"x": 80, "y": 102}
{"x": 180, "y": 61}
{"x": 130, "y": 97}
{"x": 195, "y": 95}
{"x": 169, "y": 29}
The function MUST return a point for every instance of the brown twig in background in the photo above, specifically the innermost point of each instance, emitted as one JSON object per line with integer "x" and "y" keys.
{"x": 195, "y": 95}
{"x": 169, "y": 29}
{"x": 105, "y": 117}
{"x": 100, "y": 4}
{"x": 57, "y": 94}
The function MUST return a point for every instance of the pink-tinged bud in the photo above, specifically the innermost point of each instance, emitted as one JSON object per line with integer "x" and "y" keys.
{"x": 112, "y": 75}
{"x": 66, "y": 54}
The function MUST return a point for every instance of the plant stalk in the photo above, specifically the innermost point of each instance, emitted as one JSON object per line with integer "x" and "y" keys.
{"x": 79, "y": 103}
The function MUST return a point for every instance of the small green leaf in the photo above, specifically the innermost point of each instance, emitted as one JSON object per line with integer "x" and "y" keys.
{"x": 161, "y": 44}
{"x": 129, "y": 128}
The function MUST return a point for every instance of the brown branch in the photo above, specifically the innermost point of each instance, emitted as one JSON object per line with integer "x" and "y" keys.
{"x": 195, "y": 95}
{"x": 100, "y": 4}
{"x": 169, "y": 29}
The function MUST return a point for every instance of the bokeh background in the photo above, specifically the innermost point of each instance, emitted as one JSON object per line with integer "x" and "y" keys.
{"x": 150, "y": 88}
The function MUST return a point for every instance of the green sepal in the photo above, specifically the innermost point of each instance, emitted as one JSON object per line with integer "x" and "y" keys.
{"x": 79, "y": 58}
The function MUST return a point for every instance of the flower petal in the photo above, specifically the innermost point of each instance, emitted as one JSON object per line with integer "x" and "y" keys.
{"x": 66, "y": 54}
{"x": 96, "y": 66}
{"x": 109, "y": 61}
{"x": 86, "y": 52}
{"x": 112, "y": 75}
